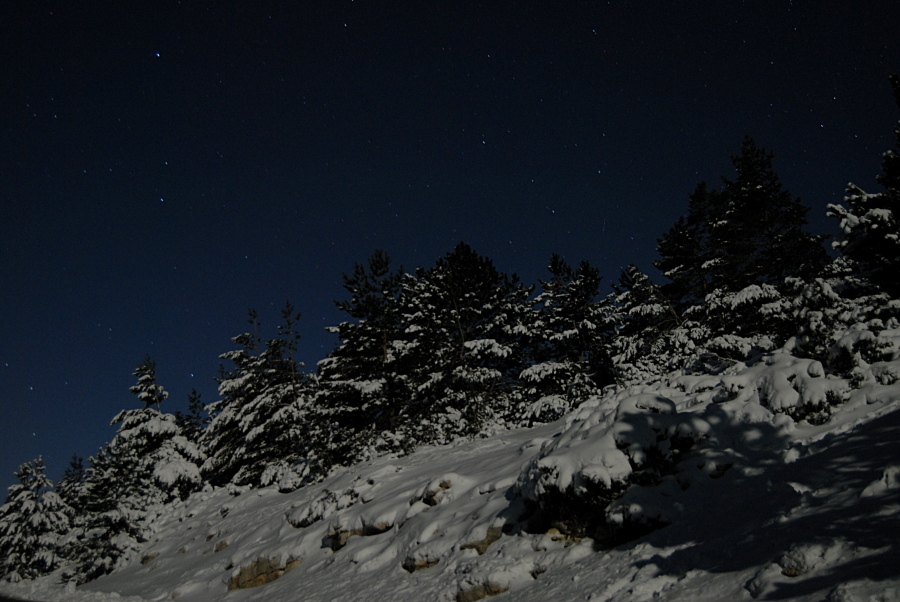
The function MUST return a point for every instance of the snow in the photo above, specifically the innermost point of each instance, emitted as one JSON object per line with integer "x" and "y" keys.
{"x": 764, "y": 505}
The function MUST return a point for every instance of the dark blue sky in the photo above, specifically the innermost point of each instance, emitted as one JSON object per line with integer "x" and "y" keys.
{"x": 164, "y": 166}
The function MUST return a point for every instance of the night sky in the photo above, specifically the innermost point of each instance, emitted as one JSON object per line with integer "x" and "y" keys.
{"x": 165, "y": 166}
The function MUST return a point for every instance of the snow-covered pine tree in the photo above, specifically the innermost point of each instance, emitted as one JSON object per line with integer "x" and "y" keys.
{"x": 870, "y": 223}
{"x": 147, "y": 389}
{"x": 652, "y": 337}
{"x": 760, "y": 238}
{"x": 568, "y": 339}
{"x": 260, "y": 430}
{"x": 146, "y": 465}
{"x": 465, "y": 323}
{"x": 223, "y": 439}
{"x": 278, "y": 430}
{"x": 32, "y": 522}
{"x": 751, "y": 231}
{"x": 733, "y": 257}
{"x": 684, "y": 250}
{"x": 361, "y": 387}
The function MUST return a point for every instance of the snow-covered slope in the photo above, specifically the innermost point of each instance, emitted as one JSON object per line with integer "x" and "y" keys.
{"x": 748, "y": 503}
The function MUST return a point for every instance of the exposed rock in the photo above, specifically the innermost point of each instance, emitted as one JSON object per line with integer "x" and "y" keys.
{"x": 478, "y": 592}
{"x": 262, "y": 571}
{"x": 221, "y": 545}
{"x": 148, "y": 558}
{"x": 338, "y": 539}
{"x": 481, "y": 546}
{"x": 432, "y": 498}
{"x": 377, "y": 528}
{"x": 411, "y": 564}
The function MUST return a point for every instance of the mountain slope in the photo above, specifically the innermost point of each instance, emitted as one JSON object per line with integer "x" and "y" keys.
{"x": 740, "y": 501}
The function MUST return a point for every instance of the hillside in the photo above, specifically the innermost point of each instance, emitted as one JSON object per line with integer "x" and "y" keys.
{"x": 741, "y": 501}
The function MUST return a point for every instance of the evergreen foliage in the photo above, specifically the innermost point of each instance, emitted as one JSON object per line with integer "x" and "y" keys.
{"x": 71, "y": 487}
{"x": 193, "y": 422}
{"x": 568, "y": 342}
{"x": 684, "y": 250}
{"x": 870, "y": 223}
{"x": 32, "y": 521}
{"x": 652, "y": 337}
{"x": 467, "y": 320}
{"x": 362, "y": 385}
{"x": 147, "y": 464}
{"x": 749, "y": 232}
{"x": 260, "y": 429}
{"x": 462, "y": 350}
{"x": 147, "y": 389}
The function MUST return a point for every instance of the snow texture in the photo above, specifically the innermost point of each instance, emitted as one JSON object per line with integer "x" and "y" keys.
{"x": 757, "y": 505}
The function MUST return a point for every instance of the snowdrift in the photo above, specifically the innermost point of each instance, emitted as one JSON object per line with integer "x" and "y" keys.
{"x": 771, "y": 480}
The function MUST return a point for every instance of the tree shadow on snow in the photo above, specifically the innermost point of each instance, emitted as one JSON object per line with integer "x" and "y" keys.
{"x": 762, "y": 508}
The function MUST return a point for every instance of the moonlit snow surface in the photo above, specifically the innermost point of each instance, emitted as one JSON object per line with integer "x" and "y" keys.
{"x": 762, "y": 508}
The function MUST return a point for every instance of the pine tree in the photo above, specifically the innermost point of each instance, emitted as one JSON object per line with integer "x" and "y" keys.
{"x": 111, "y": 524}
{"x": 147, "y": 464}
{"x": 32, "y": 521}
{"x": 684, "y": 250}
{"x": 361, "y": 384}
{"x": 465, "y": 321}
{"x": 146, "y": 389}
{"x": 71, "y": 488}
{"x": 260, "y": 432}
{"x": 193, "y": 422}
{"x": 568, "y": 340}
{"x": 750, "y": 232}
{"x": 277, "y": 426}
{"x": 870, "y": 224}
{"x": 652, "y": 336}
{"x": 760, "y": 238}
{"x": 224, "y": 439}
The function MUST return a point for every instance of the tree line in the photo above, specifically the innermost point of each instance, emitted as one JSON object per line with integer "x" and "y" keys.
{"x": 461, "y": 349}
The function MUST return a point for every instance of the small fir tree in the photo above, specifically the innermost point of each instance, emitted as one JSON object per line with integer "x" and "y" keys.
{"x": 260, "y": 433}
{"x": 32, "y": 522}
{"x": 193, "y": 422}
{"x": 361, "y": 386}
{"x": 147, "y": 464}
{"x": 147, "y": 389}
{"x": 870, "y": 223}
{"x": 568, "y": 340}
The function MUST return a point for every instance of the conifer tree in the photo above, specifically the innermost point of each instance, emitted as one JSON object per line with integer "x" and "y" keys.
{"x": 652, "y": 336}
{"x": 568, "y": 341}
{"x": 361, "y": 385}
{"x": 71, "y": 488}
{"x": 749, "y": 232}
{"x": 146, "y": 465}
{"x": 223, "y": 440}
{"x": 193, "y": 422}
{"x": 870, "y": 223}
{"x": 147, "y": 390}
{"x": 760, "y": 238}
{"x": 260, "y": 428}
{"x": 684, "y": 250}
{"x": 466, "y": 322}
{"x": 32, "y": 521}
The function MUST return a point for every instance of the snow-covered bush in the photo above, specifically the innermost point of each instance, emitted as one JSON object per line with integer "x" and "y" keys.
{"x": 634, "y": 436}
